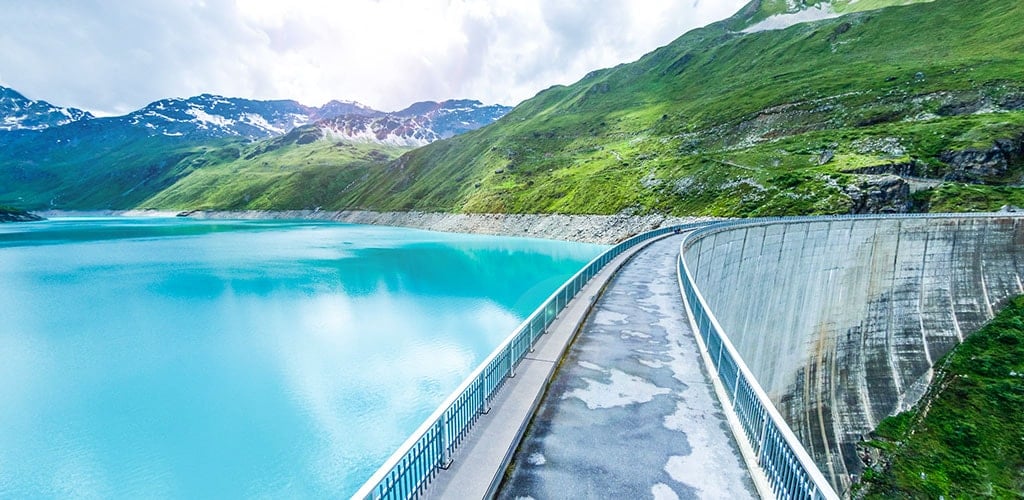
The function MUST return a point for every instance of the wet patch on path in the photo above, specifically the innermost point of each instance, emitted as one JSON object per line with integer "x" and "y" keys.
{"x": 631, "y": 413}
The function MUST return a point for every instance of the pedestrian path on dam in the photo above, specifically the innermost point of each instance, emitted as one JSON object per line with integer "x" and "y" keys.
{"x": 631, "y": 412}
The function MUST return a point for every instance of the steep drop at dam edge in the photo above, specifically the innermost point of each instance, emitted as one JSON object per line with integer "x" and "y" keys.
{"x": 841, "y": 320}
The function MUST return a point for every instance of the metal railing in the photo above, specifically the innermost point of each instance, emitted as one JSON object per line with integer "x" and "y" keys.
{"x": 790, "y": 470}
{"x": 429, "y": 450}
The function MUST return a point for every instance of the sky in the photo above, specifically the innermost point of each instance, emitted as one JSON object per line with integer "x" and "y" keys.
{"x": 115, "y": 56}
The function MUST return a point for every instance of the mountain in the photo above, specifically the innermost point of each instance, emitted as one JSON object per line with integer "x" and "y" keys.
{"x": 119, "y": 162}
{"x": 788, "y": 107}
{"x": 761, "y": 15}
{"x": 214, "y": 116}
{"x": 897, "y": 108}
{"x": 18, "y": 112}
{"x": 417, "y": 125}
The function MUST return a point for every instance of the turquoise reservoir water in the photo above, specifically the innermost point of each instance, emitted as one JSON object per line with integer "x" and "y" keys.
{"x": 181, "y": 358}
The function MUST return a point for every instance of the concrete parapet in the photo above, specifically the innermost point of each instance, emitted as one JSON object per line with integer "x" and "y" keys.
{"x": 842, "y": 319}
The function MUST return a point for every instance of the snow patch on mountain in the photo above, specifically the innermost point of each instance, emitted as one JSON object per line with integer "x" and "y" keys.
{"x": 783, "y": 21}
{"x": 203, "y": 118}
{"x": 214, "y": 116}
{"x": 261, "y": 123}
{"x": 18, "y": 112}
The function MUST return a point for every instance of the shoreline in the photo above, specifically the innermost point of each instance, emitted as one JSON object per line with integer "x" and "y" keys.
{"x": 600, "y": 229}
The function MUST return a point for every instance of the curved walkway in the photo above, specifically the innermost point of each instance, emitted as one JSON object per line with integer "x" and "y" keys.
{"x": 631, "y": 412}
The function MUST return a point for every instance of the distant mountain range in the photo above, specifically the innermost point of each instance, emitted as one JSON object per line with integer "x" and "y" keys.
{"x": 54, "y": 157}
{"x": 211, "y": 116}
{"x": 18, "y": 112}
{"x": 788, "y": 107}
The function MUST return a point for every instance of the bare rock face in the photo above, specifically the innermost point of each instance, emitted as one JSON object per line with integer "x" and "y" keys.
{"x": 977, "y": 165}
{"x": 8, "y": 214}
{"x": 887, "y": 194}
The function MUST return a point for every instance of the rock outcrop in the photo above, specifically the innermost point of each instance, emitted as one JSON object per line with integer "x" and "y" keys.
{"x": 8, "y": 214}
{"x": 980, "y": 165}
{"x": 886, "y": 194}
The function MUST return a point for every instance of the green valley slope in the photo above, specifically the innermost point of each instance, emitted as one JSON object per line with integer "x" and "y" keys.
{"x": 915, "y": 106}
{"x": 802, "y": 120}
{"x": 300, "y": 170}
{"x": 961, "y": 440}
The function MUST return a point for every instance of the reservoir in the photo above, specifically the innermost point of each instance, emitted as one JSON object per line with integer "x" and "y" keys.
{"x": 156, "y": 357}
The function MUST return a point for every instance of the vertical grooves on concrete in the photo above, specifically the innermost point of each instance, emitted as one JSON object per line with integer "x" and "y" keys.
{"x": 920, "y": 303}
{"x": 841, "y": 320}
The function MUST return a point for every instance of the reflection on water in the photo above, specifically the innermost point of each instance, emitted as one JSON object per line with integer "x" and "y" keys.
{"x": 161, "y": 357}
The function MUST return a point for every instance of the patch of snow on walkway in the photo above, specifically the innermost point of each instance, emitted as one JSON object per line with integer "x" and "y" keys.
{"x": 661, "y": 491}
{"x": 622, "y": 390}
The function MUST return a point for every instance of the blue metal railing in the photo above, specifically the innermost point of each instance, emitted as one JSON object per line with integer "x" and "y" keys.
{"x": 429, "y": 450}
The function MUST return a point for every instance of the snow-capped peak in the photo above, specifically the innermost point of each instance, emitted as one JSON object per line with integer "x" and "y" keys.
{"x": 18, "y": 112}
{"x": 211, "y": 115}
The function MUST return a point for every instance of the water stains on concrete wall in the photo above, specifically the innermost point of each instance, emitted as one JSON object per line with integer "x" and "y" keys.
{"x": 841, "y": 320}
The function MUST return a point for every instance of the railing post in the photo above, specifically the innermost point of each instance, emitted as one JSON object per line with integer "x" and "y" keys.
{"x": 532, "y": 337}
{"x": 511, "y": 360}
{"x": 486, "y": 394}
{"x": 446, "y": 457}
{"x": 736, "y": 388}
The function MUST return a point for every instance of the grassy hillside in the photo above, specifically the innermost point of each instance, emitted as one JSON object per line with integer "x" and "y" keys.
{"x": 964, "y": 439}
{"x": 915, "y": 106}
{"x": 87, "y": 167}
{"x": 81, "y": 166}
{"x": 299, "y": 170}
{"x": 725, "y": 123}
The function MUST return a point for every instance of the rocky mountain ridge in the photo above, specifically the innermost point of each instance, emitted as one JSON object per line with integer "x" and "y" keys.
{"x": 209, "y": 116}
{"x": 18, "y": 112}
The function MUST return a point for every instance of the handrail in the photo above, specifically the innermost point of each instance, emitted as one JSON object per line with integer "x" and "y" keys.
{"x": 790, "y": 470}
{"x": 430, "y": 448}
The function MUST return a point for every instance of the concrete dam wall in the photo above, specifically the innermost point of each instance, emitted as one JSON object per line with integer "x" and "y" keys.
{"x": 841, "y": 320}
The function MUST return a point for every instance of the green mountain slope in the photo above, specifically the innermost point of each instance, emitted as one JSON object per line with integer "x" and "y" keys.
{"x": 961, "y": 440}
{"x": 81, "y": 166}
{"x": 894, "y": 105}
{"x": 802, "y": 120}
{"x": 299, "y": 170}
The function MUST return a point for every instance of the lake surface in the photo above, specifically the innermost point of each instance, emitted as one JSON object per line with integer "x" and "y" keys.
{"x": 184, "y": 358}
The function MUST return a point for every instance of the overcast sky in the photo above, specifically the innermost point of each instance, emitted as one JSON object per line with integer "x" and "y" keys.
{"x": 115, "y": 56}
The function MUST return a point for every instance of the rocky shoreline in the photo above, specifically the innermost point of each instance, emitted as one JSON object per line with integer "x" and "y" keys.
{"x": 604, "y": 229}
{"x": 9, "y": 214}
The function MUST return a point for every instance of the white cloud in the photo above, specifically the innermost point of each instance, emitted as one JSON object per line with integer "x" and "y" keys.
{"x": 116, "y": 56}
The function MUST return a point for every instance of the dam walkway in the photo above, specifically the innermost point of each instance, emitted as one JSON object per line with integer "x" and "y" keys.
{"x": 631, "y": 411}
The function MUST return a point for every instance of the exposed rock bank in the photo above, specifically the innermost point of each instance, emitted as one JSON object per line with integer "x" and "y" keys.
{"x": 605, "y": 229}
{"x": 8, "y": 214}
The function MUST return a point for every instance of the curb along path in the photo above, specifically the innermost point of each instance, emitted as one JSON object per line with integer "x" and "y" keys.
{"x": 632, "y": 413}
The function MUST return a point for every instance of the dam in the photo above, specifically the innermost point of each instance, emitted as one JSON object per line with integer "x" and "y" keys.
{"x": 812, "y": 330}
{"x": 841, "y": 320}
